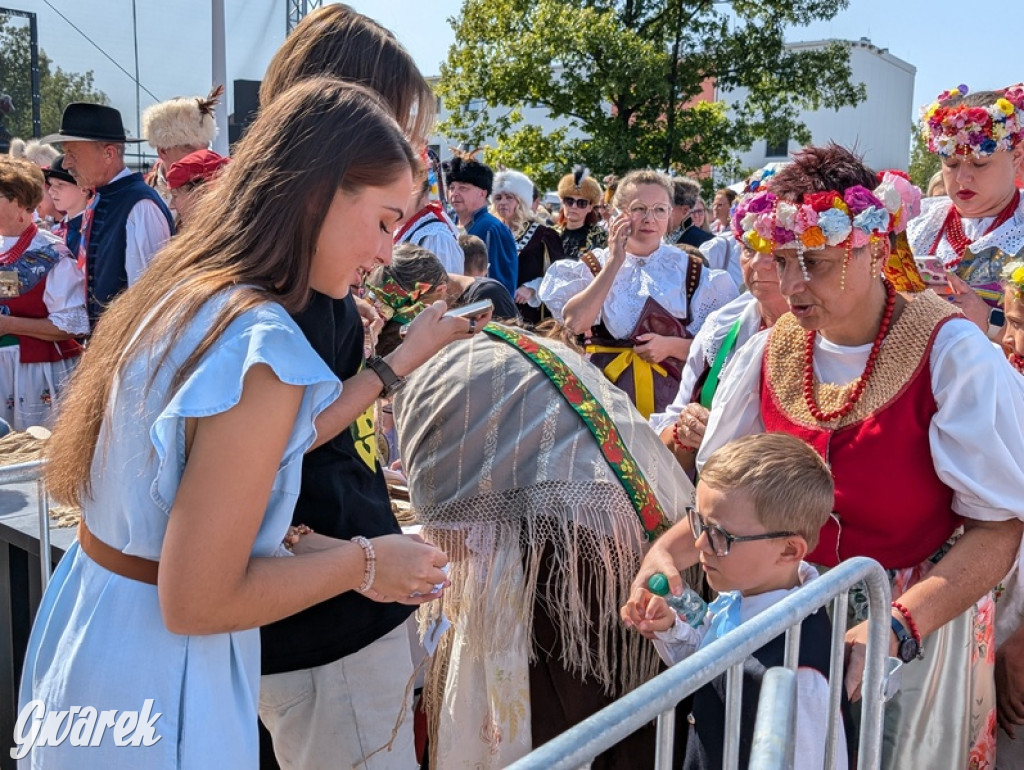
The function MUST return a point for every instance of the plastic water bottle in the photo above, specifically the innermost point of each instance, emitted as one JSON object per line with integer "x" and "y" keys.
{"x": 688, "y": 605}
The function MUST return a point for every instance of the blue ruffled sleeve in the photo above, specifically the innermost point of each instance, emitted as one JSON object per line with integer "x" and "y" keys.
{"x": 264, "y": 335}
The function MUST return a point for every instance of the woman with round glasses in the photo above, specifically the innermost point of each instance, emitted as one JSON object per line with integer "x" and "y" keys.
{"x": 919, "y": 418}
{"x": 640, "y": 301}
{"x": 578, "y": 221}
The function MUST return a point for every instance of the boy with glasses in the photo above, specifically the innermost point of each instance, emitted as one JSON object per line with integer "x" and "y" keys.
{"x": 761, "y": 501}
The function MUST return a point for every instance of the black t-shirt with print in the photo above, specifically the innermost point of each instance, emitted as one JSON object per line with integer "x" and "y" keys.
{"x": 343, "y": 495}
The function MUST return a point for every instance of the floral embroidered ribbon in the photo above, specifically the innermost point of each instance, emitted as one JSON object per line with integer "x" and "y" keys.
{"x": 648, "y": 509}
{"x": 398, "y": 303}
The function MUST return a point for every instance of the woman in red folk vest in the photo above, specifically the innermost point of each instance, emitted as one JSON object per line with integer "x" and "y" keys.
{"x": 42, "y": 302}
{"x": 919, "y": 418}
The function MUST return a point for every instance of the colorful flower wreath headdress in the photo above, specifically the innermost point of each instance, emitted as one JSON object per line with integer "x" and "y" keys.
{"x": 765, "y": 222}
{"x": 853, "y": 218}
{"x": 1013, "y": 278}
{"x": 979, "y": 131}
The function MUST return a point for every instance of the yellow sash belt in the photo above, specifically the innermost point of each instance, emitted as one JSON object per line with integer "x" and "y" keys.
{"x": 643, "y": 374}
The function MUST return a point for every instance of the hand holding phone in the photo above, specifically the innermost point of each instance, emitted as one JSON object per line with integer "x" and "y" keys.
{"x": 472, "y": 310}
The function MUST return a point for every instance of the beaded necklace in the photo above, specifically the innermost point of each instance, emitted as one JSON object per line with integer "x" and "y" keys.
{"x": 854, "y": 395}
{"x": 1017, "y": 362}
{"x": 20, "y": 246}
{"x": 953, "y": 228}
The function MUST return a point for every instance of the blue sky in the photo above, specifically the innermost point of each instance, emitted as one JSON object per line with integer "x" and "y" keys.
{"x": 174, "y": 40}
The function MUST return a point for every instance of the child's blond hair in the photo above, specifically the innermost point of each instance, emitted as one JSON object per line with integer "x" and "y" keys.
{"x": 790, "y": 484}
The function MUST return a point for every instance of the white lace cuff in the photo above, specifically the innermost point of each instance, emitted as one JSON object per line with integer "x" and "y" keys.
{"x": 72, "y": 320}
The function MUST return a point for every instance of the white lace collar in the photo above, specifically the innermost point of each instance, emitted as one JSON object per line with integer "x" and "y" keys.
{"x": 923, "y": 231}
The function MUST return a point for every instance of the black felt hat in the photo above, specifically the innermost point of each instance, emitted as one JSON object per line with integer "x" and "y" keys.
{"x": 57, "y": 171}
{"x": 87, "y": 122}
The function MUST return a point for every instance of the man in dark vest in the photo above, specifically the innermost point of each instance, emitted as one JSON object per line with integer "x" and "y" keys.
{"x": 682, "y": 230}
{"x": 127, "y": 222}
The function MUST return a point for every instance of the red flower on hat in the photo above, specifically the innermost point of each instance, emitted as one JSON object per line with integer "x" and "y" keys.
{"x": 821, "y": 201}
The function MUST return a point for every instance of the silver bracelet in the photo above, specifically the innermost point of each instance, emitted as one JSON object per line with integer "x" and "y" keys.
{"x": 370, "y": 563}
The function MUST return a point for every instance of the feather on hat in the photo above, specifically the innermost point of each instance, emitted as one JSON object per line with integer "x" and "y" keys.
{"x": 182, "y": 121}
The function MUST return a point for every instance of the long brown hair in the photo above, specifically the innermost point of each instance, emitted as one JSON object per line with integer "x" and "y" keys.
{"x": 340, "y": 42}
{"x": 257, "y": 227}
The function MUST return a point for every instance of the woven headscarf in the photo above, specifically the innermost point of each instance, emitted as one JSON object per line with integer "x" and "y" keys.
{"x": 502, "y": 471}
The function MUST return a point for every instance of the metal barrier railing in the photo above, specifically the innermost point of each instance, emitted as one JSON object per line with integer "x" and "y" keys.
{"x": 33, "y": 471}
{"x": 658, "y": 697}
{"x": 775, "y": 728}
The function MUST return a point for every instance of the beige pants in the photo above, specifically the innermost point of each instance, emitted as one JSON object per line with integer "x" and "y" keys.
{"x": 337, "y": 715}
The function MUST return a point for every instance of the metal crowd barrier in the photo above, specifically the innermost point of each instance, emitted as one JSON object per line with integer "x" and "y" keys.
{"x": 658, "y": 698}
{"x": 33, "y": 471}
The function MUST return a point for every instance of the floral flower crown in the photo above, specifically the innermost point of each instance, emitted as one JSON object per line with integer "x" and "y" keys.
{"x": 765, "y": 222}
{"x": 978, "y": 131}
{"x": 1013, "y": 277}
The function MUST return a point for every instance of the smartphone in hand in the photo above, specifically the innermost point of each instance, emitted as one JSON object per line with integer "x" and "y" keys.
{"x": 471, "y": 310}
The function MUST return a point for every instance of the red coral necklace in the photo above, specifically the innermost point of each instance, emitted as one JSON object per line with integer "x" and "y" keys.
{"x": 858, "y": 390}
{"x": 1017, "y": 362}
{"x": 953, "y": 228}
{"x": 20, "y": 246}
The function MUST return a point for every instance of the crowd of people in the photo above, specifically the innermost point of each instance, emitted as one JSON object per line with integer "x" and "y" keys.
{"x": 236, "y": 355}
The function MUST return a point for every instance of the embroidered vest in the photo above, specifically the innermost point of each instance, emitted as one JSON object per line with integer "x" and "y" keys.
{"x": 73, "y": 233}
{"x": 890, "y": 503}
{"x": 106, "y": 274}
{"x": 31, "y": 349}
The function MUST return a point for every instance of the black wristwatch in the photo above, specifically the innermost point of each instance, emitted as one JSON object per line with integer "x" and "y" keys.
{"x": 907, "y": 648}
{"x": 392, "y": 382}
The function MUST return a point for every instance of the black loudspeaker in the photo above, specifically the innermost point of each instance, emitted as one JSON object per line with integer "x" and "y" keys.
{"x": 247, "y": 105}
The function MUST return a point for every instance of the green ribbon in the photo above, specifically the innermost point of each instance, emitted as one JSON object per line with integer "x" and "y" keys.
{"x": 707, "y": 392}
{"x": 648, "y": 509}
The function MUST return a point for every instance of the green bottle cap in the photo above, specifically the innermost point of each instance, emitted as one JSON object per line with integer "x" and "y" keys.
{"x": 658, "y": 584}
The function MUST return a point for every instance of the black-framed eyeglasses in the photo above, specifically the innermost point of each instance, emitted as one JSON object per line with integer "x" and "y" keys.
{"x": 580, "y": 203}
{"x": 720, "y": 540}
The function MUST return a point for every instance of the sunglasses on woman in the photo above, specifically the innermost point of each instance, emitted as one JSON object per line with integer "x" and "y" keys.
{"x": 720, "y": 540}
{"x": 580, "y": 203}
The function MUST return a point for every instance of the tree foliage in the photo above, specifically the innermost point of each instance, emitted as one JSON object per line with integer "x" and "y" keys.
{"x": 626, "y": 74}
{"x": 923, "y": 163}
{"x": 57, "y": 88}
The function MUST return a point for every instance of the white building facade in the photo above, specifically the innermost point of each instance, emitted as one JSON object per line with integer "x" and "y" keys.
{"x": 878, "y": 128}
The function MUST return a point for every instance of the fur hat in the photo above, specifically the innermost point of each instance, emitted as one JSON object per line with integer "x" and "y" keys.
{"x": 40, "y": 154}
{"x": 182, "y": 121}
{"x": 471, "y": 172}
{"x": 515, "y": 182}
{"x": 580, "y": 184}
